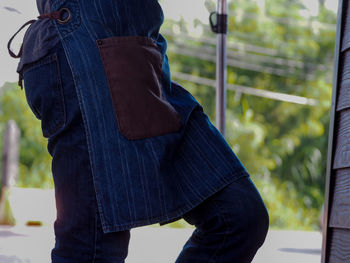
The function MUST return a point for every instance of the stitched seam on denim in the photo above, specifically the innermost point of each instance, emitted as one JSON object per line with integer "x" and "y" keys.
{"x": 125, "y": 175}
{"x": 95, "y": 236}
{"x": 196, "y": 171}
{"x": 101, "y": 14}
{"x": 105, "y": 156}
{"x": 188, "y": 201}
{"x": 176, "y": 213}
{"x": 138, "y": 42}
{"x": 192, "y": 187}
{"x": 77, "y": 15}
{"x": 103, "y": 220}
{"x": 210, "y": 145}
{"x": 41, "y": 62}
{"x": 154, "y": 161}
{"x": 52, "y": 60}
{"x": 131, "y": 192}
{"x": 214, "y": 257}
{"x": 201, "y": 153}
{"x": 107, "y": 73}
{"x": 162, "y": 190}
{"x": 61, "y": 123}
{"x": 87, "y": 134}
{"x": 197, "y": 127}
{"x": 149, "y": 215}
{"x": 140, "y": 166}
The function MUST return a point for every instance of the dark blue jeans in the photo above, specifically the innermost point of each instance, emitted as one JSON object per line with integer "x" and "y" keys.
{"x": 230, "y": 225}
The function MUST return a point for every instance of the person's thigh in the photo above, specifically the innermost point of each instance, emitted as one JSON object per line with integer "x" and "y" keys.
{"x": 78, "y": 230}
{"x": 51, "y": 94}
{"x": 231, "y": 226}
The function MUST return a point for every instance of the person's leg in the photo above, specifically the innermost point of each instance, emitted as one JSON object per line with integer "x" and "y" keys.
{"x": 231, "y": 226}
{"x": 110, "y": 247}
{"x": 87, "y": 243}
{"x": 78, "y": 230}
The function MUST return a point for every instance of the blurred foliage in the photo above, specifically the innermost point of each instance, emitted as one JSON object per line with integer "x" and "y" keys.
{"x": 283, "y": 145}
{"x": 6, "y": 213}
{"x": 35, "y": 162}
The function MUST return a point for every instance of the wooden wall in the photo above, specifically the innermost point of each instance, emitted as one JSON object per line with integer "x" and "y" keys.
{"x": 337, "y": 237}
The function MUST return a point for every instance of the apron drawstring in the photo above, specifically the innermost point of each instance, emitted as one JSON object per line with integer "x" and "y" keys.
{"x": 20, "y": 79}
{"x": 62, "y": 16}
{"x": 11, "y": 39}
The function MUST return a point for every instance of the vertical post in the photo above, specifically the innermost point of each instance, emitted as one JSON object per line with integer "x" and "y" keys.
{"x": 221, "y": 71}
{"x": 220, "y": 28}
{"x": 10, "y": 155}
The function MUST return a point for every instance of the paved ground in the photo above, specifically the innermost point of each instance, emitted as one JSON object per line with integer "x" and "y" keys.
{"x": 157, "y": 245}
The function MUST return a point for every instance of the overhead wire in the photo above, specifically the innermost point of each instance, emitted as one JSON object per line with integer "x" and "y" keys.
{"x": 239, "y": 51}
{"x": 243, "y": 48}
{"x": 279, "y": 67}
{"x": 286, "y": 21}
{"x": 247, "y": 90}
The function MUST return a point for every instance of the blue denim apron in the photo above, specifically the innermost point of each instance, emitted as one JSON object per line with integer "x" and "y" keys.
{"x": 153, "y": 152}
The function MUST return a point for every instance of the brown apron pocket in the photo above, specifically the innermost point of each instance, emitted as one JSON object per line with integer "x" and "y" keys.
{"x": 133, "y": 67}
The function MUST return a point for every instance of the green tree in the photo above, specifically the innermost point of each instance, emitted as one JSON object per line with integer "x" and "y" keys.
{"x": 283, "y": 145}
{"x": 35, "y": 162}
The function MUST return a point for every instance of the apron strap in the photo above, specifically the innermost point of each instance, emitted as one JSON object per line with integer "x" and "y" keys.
{"x": 62, "y": 16}
{"x": 58, "y": 15}
{"x": 20, "y": 80}
{"x": 11, "y": 39}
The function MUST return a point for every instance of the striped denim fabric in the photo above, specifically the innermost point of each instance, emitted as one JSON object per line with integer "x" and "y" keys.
{"x": 154, "y": 179}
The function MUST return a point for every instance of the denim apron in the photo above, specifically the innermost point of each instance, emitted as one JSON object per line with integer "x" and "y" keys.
{"x": 153, "y": 152}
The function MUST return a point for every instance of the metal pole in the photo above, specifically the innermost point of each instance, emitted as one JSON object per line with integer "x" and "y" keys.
{"x": 220, "y": 27}
{"x": 10, "y": 154}
{"x": 10, "y": 157}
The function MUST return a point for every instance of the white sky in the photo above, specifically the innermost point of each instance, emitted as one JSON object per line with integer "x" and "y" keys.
{"x": 9, "y": 24}
{"x": 174, "y": 9}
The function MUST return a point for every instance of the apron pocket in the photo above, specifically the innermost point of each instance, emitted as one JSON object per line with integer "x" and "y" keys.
{"x": 133, "y": 67}
{"x": 43, "y": 88}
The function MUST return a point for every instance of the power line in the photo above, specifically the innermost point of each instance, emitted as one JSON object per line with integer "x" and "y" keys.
{"x": 236, "y": 63}
{"x": 248, "y": 90}
{"x": 237, "y": 45}
{"x": 258, "y": 58}
{"x": 287, "y": 21}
